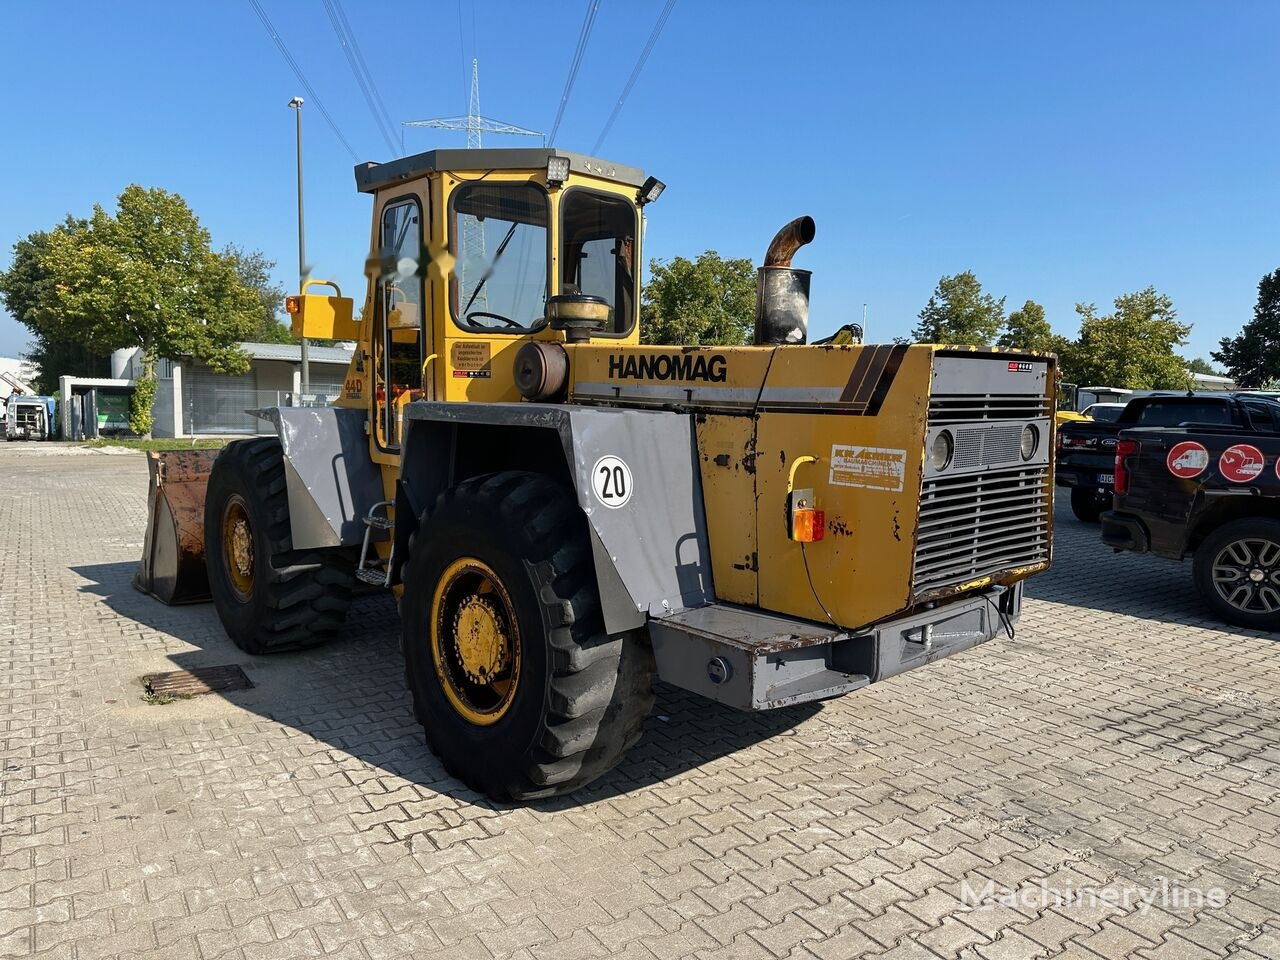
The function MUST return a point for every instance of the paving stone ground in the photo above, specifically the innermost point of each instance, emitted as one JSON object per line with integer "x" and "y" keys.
{"x": 1122, "y": 741}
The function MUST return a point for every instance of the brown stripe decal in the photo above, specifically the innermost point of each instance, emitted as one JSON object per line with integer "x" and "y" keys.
{"x": 868, "y": 385}
{"x": 859, "y": 372}
{"x": 885, "y": 381}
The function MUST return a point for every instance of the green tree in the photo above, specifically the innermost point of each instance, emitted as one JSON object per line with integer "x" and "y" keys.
{"x": 1132, "y": 347}
{"x": 1027, "y": 329}
{"x": 1203, "y": 367}
{"x": 709, "y": 301}
{"x": 143, "y": 277}
{"x": 959, "y": 312}
{"x": 1253, "y": 357}
{"x": 254, "y": 270}
{"x": 21, "y": 289}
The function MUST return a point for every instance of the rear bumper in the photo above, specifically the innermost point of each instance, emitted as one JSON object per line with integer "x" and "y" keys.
{"x": 1125, "y": 532}
{"x": 754, "y": 660}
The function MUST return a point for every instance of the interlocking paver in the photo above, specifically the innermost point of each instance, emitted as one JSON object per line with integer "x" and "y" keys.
{"x": 1122, "y": 739}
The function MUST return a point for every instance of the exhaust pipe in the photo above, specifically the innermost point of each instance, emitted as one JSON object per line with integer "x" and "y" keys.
{"x": 782, "y": 291}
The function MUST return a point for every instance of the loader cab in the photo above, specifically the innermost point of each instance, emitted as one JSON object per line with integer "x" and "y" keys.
{"x": 467, "y": 248}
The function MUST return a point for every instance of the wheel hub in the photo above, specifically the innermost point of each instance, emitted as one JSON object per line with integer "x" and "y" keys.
{"x": 1256, "y": 575}
{"x": 242, "y": 547}
{"x": 480, "y": 643}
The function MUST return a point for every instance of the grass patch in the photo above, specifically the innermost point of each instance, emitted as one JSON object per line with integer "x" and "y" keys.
{"x": 163, "y": 443}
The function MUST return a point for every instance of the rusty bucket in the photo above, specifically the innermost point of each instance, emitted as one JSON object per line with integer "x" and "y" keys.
{"x": 172, "y": 568}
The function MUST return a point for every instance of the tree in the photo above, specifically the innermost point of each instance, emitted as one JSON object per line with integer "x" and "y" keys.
{"x": 709, "y": 301}
{"x": 1203, "y": 367}
{"x": 254, "y": 270}
{"x": 1253, "y": 357}
{"x": 21, "y": 289}
{"x": 1132, "y": 347}
{"x": 959, "y": 312}
{"x": 145, "y": 277}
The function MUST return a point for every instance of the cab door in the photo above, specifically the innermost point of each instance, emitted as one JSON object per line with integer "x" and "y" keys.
{"x": 400, "y": 340}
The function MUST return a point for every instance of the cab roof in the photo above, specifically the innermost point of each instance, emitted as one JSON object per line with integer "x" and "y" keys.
{"x": 371, "y": 177}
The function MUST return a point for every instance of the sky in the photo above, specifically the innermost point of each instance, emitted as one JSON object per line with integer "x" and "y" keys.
{"x": 1063, "y": 152}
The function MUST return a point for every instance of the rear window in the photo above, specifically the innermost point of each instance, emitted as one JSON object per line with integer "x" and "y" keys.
{"x": 1172, "y": 414}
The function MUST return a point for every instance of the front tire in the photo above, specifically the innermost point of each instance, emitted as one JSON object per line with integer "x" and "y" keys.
{"x": 1237, "y": 572}
{"x": 522, "y": 692}
{"x": 1088, "y": 503}
{"x": 269, "y": 597}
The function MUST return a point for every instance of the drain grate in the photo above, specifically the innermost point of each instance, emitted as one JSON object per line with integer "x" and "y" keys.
{"x": 193, "y": 683}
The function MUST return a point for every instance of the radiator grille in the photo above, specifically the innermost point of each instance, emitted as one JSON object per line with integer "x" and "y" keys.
{"x": 979, "y": 446}
{"x": 976, "y": 525}
{"x": 966, "y": 408}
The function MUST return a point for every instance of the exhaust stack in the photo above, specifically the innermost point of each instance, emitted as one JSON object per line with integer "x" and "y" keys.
{"x": 782, "y": 291}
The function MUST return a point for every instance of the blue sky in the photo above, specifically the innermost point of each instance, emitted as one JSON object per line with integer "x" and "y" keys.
{"x": 1064, "y": 152}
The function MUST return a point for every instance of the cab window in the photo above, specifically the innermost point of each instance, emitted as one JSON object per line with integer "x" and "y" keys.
{"x": 499, "y": 239}
{"x": 1171, "y": 414}
{"x": 598, "y": 252}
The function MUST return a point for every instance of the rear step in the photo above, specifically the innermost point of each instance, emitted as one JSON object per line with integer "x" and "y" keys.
{"x": 749, "y": 659}
{"x": 367, "y": 570}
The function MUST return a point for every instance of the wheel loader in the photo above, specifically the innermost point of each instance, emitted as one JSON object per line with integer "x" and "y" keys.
{"x": 566, "y": 516}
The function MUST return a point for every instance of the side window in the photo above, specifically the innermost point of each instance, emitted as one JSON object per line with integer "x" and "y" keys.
{"x": 598, "y": 252}
{"x": 500, "y": 240}
{"x": 398, "y": 343}
{"x": 1262, "y": 415}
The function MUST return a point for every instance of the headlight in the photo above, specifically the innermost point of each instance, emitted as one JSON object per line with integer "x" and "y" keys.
{"x": 1030, "y": 441}
{"x": 940, "y": 452}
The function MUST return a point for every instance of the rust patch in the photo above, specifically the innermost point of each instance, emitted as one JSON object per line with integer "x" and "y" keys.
{"x": 838, "y": 528}
{"x": 749, "y": 454}
{"x": 194, "y": 683}
{"x": 722, "y": 460}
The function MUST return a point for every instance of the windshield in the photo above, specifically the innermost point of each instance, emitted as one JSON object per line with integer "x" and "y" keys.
{"x": 500, "y": 241}
{"x": 598, "y": 243}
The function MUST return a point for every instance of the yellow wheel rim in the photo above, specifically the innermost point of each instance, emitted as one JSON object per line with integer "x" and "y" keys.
{"x": 475, "y": 641}
{"x": 237, "y": 546}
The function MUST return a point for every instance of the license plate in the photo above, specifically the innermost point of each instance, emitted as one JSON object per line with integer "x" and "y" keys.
{"x": 1108, "y": 478}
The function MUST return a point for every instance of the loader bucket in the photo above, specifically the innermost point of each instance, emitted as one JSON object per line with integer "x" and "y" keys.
{"x": 172, "y": 568}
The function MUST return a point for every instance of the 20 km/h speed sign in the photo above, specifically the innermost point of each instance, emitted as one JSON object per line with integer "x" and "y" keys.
{"x": 611, "y": 481}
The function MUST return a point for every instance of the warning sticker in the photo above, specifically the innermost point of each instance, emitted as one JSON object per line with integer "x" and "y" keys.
{"x": 1241, "y": 463}
{"x": 468, "y": 357}
{"x": 1187, "y": 459}
{"x": 876, "y": 468}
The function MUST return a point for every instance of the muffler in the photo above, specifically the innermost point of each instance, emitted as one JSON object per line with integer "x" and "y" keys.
{"x": 782, "y": 291}
{"x": 173, "y": 568}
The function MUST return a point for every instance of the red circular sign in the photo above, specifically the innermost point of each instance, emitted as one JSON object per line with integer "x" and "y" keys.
{"x": 1187, "y": 459}
{"x": 1241, "y": 463}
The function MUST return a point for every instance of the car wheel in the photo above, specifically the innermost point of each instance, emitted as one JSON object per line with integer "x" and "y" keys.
{"x": 1237, "y": 572}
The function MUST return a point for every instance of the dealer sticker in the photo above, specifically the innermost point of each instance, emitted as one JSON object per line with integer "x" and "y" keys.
{"x": 1187, "y": 459}
{"x": 1241, "y": 463}
{"x": 875, "y": 468}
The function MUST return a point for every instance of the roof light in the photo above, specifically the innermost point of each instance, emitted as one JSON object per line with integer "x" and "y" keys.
{"x": 651, "y": 191}
{"x": 557, "y": 170}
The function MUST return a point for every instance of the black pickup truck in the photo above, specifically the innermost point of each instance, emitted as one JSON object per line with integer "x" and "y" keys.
{"x": 1212, "y": 492}
{"x": 1086, "y": 449}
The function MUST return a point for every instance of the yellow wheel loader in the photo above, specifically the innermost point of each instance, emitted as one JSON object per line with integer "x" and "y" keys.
{"x": 566, "y": 516}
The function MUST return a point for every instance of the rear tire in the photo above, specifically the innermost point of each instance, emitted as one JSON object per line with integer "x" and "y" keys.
{"x": 522, "y": 692}
{"x": 269, "y": 597}
{"x": 1237, "y": 572}
{"x": 1088, "y": 504}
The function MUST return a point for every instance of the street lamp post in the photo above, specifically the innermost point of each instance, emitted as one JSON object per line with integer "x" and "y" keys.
{"x": 296, "y": 104}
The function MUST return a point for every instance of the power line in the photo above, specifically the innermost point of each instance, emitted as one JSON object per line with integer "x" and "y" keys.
{"x": 584, "y": 35}
{"x": 365, "y": 91}
{"x": 635, "y": 73}
{"x": 302, "y": 79}
{"x": 364, "y": 68}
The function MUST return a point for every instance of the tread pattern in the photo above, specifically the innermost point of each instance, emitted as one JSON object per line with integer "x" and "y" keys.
{"x": 601, "y": 685}
{"x": 307, "y": 593}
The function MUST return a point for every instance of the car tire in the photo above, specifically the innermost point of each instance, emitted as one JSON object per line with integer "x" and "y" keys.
{"x": 1237, "y": 572}
{"x": 1088, "y": 504}
{"x": 521, "y": 691}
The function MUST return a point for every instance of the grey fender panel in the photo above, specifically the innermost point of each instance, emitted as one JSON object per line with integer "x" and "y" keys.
{"x": 332, "y": 481}
{"x": 651, "y": 553}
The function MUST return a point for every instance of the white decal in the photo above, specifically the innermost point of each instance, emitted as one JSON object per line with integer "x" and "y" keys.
{"x": 611, "y": 481}
{"x": 876, "y": 468}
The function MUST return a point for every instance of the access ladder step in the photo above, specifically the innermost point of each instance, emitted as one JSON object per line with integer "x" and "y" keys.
{"x": 379, "y": 523}
{"x": 372, "y": 576}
